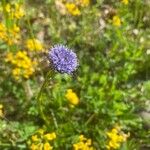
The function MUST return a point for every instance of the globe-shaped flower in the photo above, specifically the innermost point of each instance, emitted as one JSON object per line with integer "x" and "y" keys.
{"x": 63, "y": 59}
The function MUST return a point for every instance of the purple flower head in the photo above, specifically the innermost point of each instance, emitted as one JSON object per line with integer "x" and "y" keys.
{"x": 63, "y": 59}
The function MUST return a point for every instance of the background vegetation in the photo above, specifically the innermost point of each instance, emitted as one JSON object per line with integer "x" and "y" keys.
{"x": 104, "y": 104}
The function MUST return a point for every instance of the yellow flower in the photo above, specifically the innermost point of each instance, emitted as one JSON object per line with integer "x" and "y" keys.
{"x": 73, "y": 9}
{"x": 83, "y": 144}
{"x": 23, "y": 66}
{"x": 3, "y": 34}
{"x": 9, "y": 57}
{"x": 16, "y": 29}
{"x": 35, "y": 138}
{"x": 21, "y": 55}
{"x": 34, "y": 44}
{"x": 39, "y": 141}
{"x": 88, "y": 142}
{"x": 16, "y": 73}
{"x": 47, "y": 146}
{"x": 82, "y": 138}
{"x": 72, "y": 97}
{"x": 50, "y": 136}
{"x": 9, "y": 35}
{"x": 2, "y": 27}
{"x": 10, "y": 41}
{"x": 18, "y": 12}
{"x": 15, "y": 11}
{"x": 116, "y": 137}
{"x": 8, "y": 8}
{"x": 125, "y": 2}
{"x": 14, "y": 32}
{"x": 34, "y": 147}
{"x": 116, "y": 21}
{"x": 114, "y": 144}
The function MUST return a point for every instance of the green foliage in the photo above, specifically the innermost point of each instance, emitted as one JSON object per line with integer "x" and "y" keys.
{"x": 112, "y": 81}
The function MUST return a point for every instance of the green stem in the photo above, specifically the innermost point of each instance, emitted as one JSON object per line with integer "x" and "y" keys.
{"x": 40, "y": 102}
{"x": 90, "y": 119}
{"x": 54, "y": 119}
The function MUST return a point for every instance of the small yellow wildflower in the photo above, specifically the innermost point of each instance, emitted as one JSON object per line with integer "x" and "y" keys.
{"x": 72, "y": 97}
{"x": 40, "y": 141}
{"x": 2, "y": 27}
{"x": 1, "y": 110}
{"x": 125, "y": 2}
{"x": 116, "y": 21}
{"x": 35, "y": 138}
{"x": 14, "y": 32}
{"x": 16, "y": 73}
{"x": 34, "y": 44}
{"x": 89, "y": 142}
{"x": 9, "y": 57}
{"x": 28, "y": 73}
{"x": 116, "y": 137}
{"x": 50, "y": 136}
{"x": 9, "y": 35}
{"x": 9, "y": 41}
{"x": 23, "y": 66}
{"x": 34, "y": 147}
{"x": 8, "y": 8}
{"x": 47, "y": 146}
{"x": 18, "y": 12}
{"x": 83, "y": 144}
{"x": 73, "y": 9}
{"x": 15, "y": 11}
{"x": 3, "y": 34}
{"x": 82, "y": 138}
{"x": 16, "y": 28}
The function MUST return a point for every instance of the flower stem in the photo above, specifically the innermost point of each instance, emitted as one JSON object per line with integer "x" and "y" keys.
{"x": 39, "y": 99}
{"x": 90, "y": 119}
{"x": 54, "y": 119}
